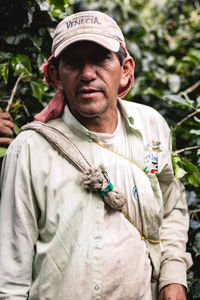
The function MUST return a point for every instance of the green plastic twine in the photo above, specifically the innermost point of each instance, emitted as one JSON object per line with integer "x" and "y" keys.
{"x": 107, "y": 189}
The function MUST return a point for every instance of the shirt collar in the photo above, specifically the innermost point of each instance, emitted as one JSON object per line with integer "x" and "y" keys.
{"x": 82, "y": 131}
{"x": 76, "y": 126}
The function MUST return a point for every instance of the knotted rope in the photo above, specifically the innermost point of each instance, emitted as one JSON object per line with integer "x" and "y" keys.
{"x": 93, "y": 179}
{"x": 97, "y": 180}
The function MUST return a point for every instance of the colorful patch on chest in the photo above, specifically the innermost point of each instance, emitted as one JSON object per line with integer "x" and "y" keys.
{"x": 151, "y": 157}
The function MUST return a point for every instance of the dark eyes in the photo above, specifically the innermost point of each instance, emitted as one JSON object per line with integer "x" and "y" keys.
{"x": 74, "y": 62}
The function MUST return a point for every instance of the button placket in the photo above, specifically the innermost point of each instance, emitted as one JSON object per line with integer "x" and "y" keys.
{"x": 97, "y": 248}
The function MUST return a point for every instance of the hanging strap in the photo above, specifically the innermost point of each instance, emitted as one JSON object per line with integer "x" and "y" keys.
{"x": 93, "y": 179}
{"x": 60, "y": 143}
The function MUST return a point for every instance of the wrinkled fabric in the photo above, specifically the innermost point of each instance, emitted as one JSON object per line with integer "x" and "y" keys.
{"x": 53, "y": 110}
{"x": 129, "y": 253}
{"x": 51, "y": 229}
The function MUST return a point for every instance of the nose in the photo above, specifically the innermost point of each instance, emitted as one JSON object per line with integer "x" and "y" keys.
{"x": 88, "y": 72}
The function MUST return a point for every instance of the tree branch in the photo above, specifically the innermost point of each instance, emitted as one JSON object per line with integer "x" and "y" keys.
{"x": 191, "y": 88}
{"x": 194, "y": 211}
{"x": 13, "y": 92}
{"x": 186, "y": 149}
{"x": 187, "y": 91}
{"x": 186, "y": 118}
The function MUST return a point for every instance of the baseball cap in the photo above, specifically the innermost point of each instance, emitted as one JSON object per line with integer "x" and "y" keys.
{"x": 91, "y": 26}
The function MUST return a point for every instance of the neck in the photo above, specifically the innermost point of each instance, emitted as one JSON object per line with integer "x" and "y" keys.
{"x": 104, "y": 123}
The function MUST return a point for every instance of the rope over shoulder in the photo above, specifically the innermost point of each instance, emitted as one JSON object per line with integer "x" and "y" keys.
{"x": 94, "y": 179}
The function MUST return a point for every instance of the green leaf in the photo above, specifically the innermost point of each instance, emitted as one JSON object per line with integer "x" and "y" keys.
{"x": 2, "y": 151}
{"x": 15, "y": 39}
{"x": 196, "y": 290}
{"x": 193, "y": 173}
{"x": 16, "y": 128}
{"x": 190, "y": 282}
{"x": 191, "y": 198}
{"x": 58, "y": 3}
{"x": 21, "y": 64}
{"x": 174, "y": 83}
{"x": 188, "y": 100}
{"x": 198, "y": 102}
{"x": 5, "y": 56}
{"x": 186, "y": 169}
{"x": 196, "y": 119}
{"x": 194, "y": 56}
{"x": 176, "y": 99}
{"x": 197, "y": 244}
{"x": 136, "y": 89}
{"x": 171, "y": 60}
{"x": 4, "y": 71}
{"x": 179, "y": 171}
{"x": 194, "y": 224}
{"x": 36, "y": 42}
{"x": 37, "y": 93}
{"x": 193, "y": 131}
{"x": 194, "y": 179}
{"x": 39, "y": 87}
{"x": 134, "y": 48}
{"x": 151, "y": 91}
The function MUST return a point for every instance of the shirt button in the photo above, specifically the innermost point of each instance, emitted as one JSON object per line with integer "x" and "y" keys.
{"x": 96, "y": 287}
{"x": 99, "y": 206}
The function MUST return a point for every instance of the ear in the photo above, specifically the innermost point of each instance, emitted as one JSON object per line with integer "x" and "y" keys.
{"x": 127, "y": 70}
{"x": 54, "y": 76}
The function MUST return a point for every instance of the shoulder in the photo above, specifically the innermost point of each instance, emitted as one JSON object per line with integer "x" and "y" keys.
{"x": 148, "y": 121}
{"x": 28, "y": 140}
{"x": 144, "y": 116}
{"x": 144, "y": 111}
{"x": 20, "y": 142}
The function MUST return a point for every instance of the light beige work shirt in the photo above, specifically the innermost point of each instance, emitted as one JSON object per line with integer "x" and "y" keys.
{"x": 51, "y": 229}
{"x": 126, "y": 272}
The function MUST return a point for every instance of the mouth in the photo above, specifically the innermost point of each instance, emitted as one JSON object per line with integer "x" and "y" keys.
{"x": 88, "y": 92}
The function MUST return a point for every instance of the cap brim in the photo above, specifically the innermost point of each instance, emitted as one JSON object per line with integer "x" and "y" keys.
{"x": 104, "y": 41}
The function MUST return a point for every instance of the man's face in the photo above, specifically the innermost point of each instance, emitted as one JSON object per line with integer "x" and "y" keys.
{"x": 90, "y": 77}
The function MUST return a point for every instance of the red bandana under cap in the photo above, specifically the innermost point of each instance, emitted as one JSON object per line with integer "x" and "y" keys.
{"x": 57, "y": 104}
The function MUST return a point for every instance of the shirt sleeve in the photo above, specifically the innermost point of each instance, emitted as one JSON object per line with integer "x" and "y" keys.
{"x": 18, "y": 224}
{"x": 174, "y": 231}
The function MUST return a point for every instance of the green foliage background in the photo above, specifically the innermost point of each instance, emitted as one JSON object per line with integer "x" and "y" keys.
{"x": 164, "y": 39}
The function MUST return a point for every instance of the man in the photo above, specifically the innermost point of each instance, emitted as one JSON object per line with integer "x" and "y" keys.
{"x": 6, "y": 126}
{"x": 61, "y": 241}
